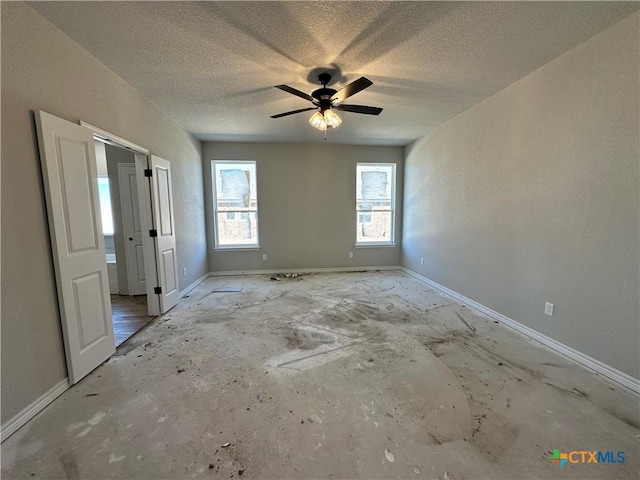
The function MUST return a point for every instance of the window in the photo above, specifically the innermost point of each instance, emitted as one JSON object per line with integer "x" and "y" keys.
{"x": 375, "y": 202}
{"x": 235, "y": 204}
{"x": 105, "y": 205}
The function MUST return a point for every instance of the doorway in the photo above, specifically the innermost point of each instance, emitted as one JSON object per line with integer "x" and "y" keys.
{"x": 122, "y": 231}
{"x": 70, "y": 178}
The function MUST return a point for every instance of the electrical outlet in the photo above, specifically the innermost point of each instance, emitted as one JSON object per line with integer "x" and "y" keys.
{"x": 548, "y": 309}
{"x": 264, "y": 256}
{"x": 422, "y": 261}
{"x": 350, "y": 254}
{"x": 184, "y": 272}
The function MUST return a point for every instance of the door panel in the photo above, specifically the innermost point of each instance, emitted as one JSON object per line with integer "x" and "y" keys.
{"x": 168, "y": 262}
{"x": 70, "y": 180}
{"x": 165, "y": 242}
{"x": 127, "y": 179}
{"x": 90, "y": 309}
{"x": 76, "y": 195}
{"x": 140, "y": 270}
{"x": 164, "y": 207}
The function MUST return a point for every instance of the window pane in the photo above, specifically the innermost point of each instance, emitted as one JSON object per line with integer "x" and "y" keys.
{"x": 364, "y": 218}
{"x": 236, "y": 203}
{"x": 375, "y": 203}
{"x": 105, "y": 205}
{"x": 376, "y": 186}
{"x": 237, "y": 229}
{"x": 375, "y": 227}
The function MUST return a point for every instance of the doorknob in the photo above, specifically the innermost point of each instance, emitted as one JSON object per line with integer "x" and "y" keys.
{"x": 131, "y": 239}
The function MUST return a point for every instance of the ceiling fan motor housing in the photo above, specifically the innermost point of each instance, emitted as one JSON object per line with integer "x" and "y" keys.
{"x": 323, "y": 95}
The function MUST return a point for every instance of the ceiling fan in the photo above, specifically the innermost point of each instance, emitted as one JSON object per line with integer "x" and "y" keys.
{"x": 326, "y": 100}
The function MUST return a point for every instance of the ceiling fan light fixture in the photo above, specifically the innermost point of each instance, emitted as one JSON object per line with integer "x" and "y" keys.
{"x": 332, "y": 119}
{"x": 325, "y": 99}
{"x": 318, "y": 121}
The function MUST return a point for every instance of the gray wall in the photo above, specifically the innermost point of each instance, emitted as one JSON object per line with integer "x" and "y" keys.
{"x": 533, "y": 196}
{"x": 306, "y": 204}
{"x": 116, "y": 155}
{"x": 42, "y": 69}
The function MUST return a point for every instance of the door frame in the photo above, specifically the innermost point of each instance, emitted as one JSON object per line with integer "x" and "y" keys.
{"x": 142, "y": 156}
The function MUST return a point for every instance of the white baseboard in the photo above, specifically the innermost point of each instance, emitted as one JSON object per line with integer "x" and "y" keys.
{"x": 585, "y": 360}
{"x": 188, "y": 290}
{"x": 14, "y": 424}
{"x": 302, "y": 270}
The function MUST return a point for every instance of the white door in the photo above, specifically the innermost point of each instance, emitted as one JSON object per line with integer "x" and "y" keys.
{"x": 67, "y": 154}
{"x": 165, "y": 240}
{"x": 132, "y": 228}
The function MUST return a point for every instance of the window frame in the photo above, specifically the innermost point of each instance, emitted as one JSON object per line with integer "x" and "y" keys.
{"x": 392, "y": 237}
{"x": 214, "y": 191}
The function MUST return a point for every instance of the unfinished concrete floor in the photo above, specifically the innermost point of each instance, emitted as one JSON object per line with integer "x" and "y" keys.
{"x": 360, "y": 375}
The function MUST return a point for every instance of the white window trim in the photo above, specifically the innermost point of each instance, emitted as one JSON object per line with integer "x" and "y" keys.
{"x": 214, "y": 191}
{"x": 375, "y": 245}
{"x": 392, "y": 238}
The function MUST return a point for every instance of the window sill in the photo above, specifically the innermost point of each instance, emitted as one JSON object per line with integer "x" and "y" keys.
{"x": 375, "y": 245}
{"x": 236, "y": 248}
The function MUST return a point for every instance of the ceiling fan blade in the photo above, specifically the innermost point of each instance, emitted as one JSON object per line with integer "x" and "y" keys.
{"x": 351, "y": 89}
{"x": 359, "y": 109}
{"x": 293, "y": 111}
{"x": 296, "y": 92}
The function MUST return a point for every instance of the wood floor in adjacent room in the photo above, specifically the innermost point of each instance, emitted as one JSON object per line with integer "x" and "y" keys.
{"x": 356, "y": 375}
{"x": 129, "y": 314}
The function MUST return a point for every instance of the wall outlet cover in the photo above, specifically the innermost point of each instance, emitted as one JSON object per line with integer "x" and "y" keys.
{"x": 548, "y": 309}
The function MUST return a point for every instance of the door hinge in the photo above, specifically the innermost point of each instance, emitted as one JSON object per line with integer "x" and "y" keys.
{"x": 153, "y": 233}
{"x": 148, "y": 172}
{"x": 157, "y": 290}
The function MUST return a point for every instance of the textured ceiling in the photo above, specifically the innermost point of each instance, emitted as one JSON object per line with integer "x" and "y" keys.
{"x": 212, "y": 66}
